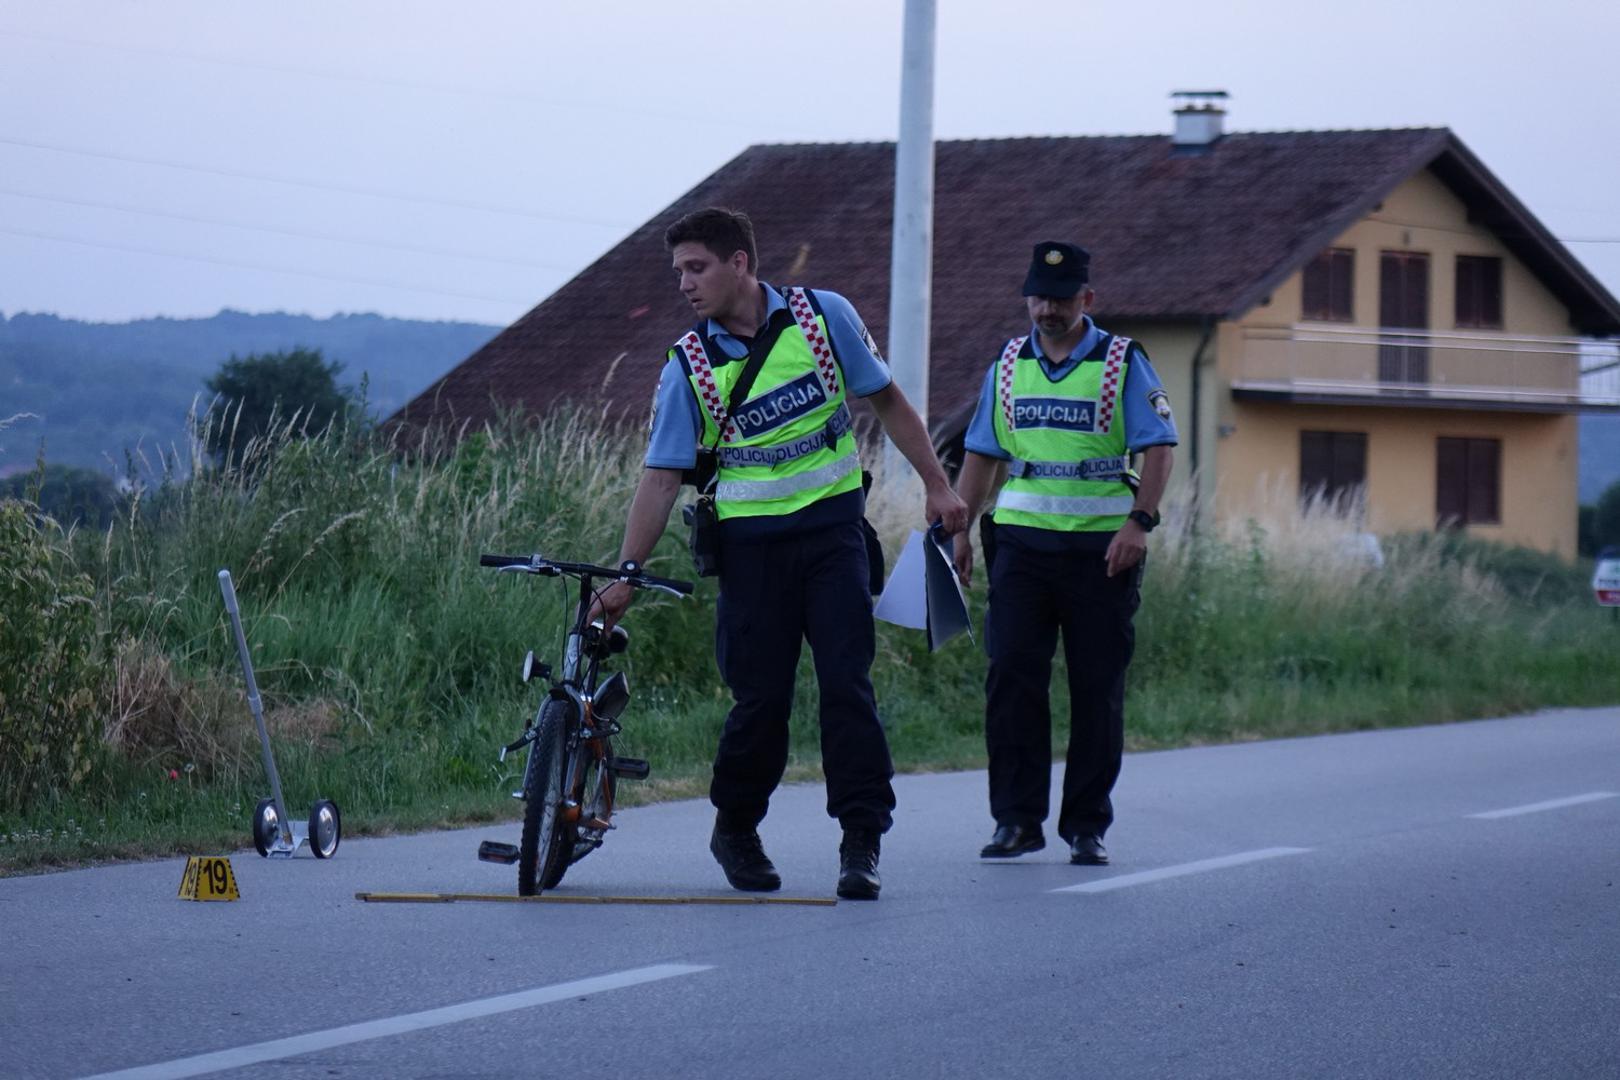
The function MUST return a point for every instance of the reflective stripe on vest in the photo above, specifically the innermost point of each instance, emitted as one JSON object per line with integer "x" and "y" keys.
{"x": 783, "y": 486}
{"x": 1067, "y": 505}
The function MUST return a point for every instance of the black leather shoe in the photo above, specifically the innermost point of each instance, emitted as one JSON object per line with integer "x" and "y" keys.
{"x": 1087, "y": 850}
{"x": 857, "y": 865}
{"x": 1011, "y": 840}
{"x": 742, "y": 857}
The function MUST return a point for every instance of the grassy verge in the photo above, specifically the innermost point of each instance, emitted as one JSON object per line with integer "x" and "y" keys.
{"x": 388, "y": 660}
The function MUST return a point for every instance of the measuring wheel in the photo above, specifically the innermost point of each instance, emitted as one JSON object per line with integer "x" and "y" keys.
{"x": 325, "y": 828}
{"x": 266, "y": 826}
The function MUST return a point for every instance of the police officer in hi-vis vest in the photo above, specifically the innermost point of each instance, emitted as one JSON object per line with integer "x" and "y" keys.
{"x": 793, "y": 556}
{"x": 1061, "y": 412}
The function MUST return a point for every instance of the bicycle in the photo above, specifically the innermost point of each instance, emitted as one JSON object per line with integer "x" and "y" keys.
{"x": 570, "y": 777}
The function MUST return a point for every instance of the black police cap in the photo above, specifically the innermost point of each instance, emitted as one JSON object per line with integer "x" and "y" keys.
{"x": 1057, "y": 269}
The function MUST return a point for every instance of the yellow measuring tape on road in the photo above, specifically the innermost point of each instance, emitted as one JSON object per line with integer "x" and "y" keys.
{"x": 554, "y": 898}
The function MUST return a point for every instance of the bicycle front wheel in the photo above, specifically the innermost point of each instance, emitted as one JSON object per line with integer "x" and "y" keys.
{"x": 544, "y": 850}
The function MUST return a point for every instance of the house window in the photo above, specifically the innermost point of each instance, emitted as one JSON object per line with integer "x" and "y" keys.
{"x": 1327, "y": 286}
{"x": 1479, "y": 292}
{"x": 1332, "y": 464}
{"x": 1403, "y": 311}
{"x": 1469, "y": 482}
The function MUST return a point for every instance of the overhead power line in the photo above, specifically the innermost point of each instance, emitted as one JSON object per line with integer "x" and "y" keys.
{"x": 357, "y": 241}
{"x": 375, "y": 193}
{"x": 346, "y": 279}
{"x": 709, "y": 122}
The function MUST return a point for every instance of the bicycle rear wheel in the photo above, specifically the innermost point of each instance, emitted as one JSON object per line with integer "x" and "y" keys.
{"x": 545, "y": 847}
{"x": 600, "y": 789}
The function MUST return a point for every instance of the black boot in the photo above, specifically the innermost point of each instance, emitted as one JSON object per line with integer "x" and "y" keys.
{"x": 742, "y": 857}
{"x": 857, "y": 865}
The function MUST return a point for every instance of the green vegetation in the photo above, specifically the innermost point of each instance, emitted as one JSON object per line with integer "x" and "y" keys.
{"x": 68, "y": 494}
{"x": 256, "y": 391}
{"x": 388, "y": 659}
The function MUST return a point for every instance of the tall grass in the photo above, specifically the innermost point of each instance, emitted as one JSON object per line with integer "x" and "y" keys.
{"x": 388, "y": 659}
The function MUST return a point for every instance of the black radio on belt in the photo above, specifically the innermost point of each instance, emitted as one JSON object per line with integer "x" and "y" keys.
{"x": 701, "y": 517}
{"x": 703, "y": 526}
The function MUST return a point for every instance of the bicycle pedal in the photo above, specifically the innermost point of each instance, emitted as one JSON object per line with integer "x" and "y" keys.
{"x": 630, "y": 768}
{"x": 582, "y": 848}
{"x": 595, "y": 823}
{"x": 493, "y": 851}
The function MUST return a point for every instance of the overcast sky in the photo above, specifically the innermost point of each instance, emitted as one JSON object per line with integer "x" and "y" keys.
{"x": 461, "y": 161}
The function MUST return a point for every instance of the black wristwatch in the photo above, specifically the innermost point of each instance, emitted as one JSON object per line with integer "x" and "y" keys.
{"x": 1144, "y": 519}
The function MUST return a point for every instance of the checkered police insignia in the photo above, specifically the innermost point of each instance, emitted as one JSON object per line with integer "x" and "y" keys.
{"x": 692, "y": 346}
{"x": 1109, "y": 393}
{"x": 1160, "y": 402}
{"x": 805, "y": 315}
{"x": 1054, "y": 257}
{"x": 1004, "y": 377}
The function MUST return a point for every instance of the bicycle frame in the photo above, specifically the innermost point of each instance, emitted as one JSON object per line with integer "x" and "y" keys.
{"x": 569, "y": 814}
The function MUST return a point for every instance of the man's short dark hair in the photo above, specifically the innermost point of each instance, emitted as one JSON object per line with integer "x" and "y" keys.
{"x": 720, "y": 230}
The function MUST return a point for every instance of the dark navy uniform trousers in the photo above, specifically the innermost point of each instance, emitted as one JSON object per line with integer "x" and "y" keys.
{"x": 1042, "y": 582}
{"x": 775, "y": 594}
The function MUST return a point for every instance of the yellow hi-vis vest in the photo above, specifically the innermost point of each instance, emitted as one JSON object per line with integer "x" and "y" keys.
{"x": 1067, "y": 438}
{"x": 791, "y": 444}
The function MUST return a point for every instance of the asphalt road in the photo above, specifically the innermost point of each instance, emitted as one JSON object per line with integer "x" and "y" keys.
{"x": 1430, "y": 902}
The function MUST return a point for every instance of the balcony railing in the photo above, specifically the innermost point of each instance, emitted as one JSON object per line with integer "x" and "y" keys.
{"x": 1400, "y": 366}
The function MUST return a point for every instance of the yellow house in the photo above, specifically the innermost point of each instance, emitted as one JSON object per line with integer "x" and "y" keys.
{"x": 1332, "y": 312}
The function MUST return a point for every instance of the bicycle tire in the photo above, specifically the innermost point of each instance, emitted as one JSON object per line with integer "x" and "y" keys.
{"x": 595, "y": 767}
{"x": 543, "y": 853}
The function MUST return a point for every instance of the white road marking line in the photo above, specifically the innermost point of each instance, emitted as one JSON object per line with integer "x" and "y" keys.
{"x": 1125, "y": 881}
{"x": 397, "y": 1025}
{"x": 1550, "y": 804}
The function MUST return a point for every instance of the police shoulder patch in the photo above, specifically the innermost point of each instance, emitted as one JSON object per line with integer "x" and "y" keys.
{"x": 871, "y": 346}
{"x": 1160, "y": 401}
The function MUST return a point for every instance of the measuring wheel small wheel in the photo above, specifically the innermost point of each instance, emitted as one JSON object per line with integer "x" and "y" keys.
{"x": 266, "y": 826}
{"x": 325, "y": 828}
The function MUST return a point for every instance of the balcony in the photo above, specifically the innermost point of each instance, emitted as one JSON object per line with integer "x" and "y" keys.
{"x": 1323, "y": 364}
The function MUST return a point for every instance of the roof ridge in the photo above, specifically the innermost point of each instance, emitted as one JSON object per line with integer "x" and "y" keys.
{"x": 1428, "y": 129}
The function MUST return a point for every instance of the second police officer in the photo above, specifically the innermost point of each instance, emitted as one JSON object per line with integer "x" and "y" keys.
{"x": 1060, "y": 412}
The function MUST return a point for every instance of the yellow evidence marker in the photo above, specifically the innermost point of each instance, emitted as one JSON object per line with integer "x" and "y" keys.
{"x": 208, "y": 877}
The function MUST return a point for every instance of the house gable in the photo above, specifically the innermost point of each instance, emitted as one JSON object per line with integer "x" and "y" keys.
{"x": 1174, "y": 237}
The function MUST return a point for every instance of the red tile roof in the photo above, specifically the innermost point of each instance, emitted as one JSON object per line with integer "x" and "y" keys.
{"x": 1173, "y": 235}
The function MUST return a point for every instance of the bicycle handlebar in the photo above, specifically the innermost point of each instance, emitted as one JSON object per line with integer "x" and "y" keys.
{"x": 539, "y": 564}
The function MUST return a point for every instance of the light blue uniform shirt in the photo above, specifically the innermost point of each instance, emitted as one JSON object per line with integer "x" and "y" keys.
{"x": 1144, "y": 425}
{"x": 677, "y": 423}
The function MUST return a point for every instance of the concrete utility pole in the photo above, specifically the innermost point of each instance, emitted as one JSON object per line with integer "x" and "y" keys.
{"x": 912, "y": 267}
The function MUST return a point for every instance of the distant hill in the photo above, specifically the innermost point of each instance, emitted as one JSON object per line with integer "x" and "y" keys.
{"x": 99, "y": 388}
{"x": 1600, "y": 455}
